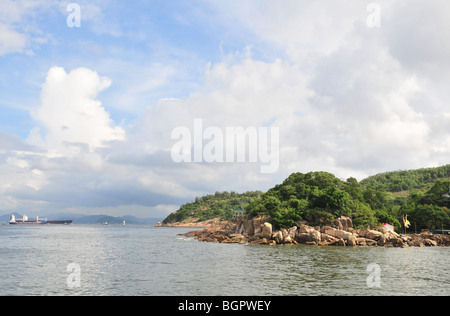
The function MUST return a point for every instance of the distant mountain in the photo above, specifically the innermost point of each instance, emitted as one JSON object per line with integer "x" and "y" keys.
{"x": 5, "y": 218}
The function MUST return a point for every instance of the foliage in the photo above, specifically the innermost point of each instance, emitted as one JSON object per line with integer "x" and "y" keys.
{"x": 406, "y": 180}
{"x": 429, "y": 210}
{"x": 218, "y": 205}
{"x": 319, "y": 198}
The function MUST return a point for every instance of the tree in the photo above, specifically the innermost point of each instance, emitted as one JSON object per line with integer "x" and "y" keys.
{"x": 439, "y": 194}
{"x": 429, "y": 217}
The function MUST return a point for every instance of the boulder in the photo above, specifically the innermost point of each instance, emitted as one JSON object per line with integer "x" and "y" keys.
{"x": 302, "y": 238}
{"x": 259, "y": 241}
{"x": 238, "y": 238}
{"x": 307, "y": 234}
{"x": 370, "y": 242}
{"x": 390, "y": 234}
{"x": 341, "y": 242}
{"x": 257, "y": 224}
{"x": 267, "y": 230}
{"x": 337, "y": 224}
{"x": 278, "y": 237}
{"x": 305, "y": 229}
{"x": 361, "y": 241}
{"x": 314, "y": 236}
{"x": 338, "y": 233}
{"x": 398, "y": 242}
{"x": 346, "y": 222}
{"x": 383, "y": 240}
{"x": 374, "y": 234}
{"x": 429, "y": 243}
{"x": 288, "y": 239}
{"x": 292, "y": 232}
{"x": 351, "y": 241}
{"x": 362, "y": 232}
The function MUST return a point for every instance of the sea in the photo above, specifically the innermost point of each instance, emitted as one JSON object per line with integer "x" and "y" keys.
{"x": 136, "y": 260}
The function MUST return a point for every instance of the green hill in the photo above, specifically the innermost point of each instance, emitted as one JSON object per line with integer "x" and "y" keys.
{"x": 219, "y": 205}
{"x": 319, "y": 198}
{"x": 407, "y": 180}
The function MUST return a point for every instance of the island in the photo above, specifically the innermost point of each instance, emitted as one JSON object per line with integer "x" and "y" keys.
{"x": 398, "y": 209}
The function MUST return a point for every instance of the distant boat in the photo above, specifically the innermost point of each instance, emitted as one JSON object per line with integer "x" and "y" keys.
{"x": 26, "y": 221}
{"x": 124, "y": 223}
{"x": 105, "y": 223}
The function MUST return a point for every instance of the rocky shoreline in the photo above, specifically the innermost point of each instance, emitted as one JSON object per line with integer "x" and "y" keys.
{"x": 259, "y": 231}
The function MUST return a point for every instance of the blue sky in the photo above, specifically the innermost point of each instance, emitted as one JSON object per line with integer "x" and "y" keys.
{"x": 87, "y": 113}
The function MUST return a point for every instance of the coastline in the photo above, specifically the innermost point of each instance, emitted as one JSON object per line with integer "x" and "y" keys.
{"x": 259, "y": 231}
{"x": 192, "y": 223}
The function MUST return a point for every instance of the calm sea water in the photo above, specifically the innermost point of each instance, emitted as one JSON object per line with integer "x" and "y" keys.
{"x": 138, "y": 260}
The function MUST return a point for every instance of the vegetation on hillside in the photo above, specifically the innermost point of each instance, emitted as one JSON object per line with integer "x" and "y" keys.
{"x": 218, "y": 205}
{"x": 397, "y": 181}
{"x": 320, "y": 198}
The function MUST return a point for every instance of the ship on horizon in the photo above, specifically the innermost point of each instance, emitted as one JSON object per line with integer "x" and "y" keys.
{"x": 26, "y": 221}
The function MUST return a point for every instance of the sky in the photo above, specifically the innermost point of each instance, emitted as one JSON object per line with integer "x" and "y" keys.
{"x": 91, "y": 93}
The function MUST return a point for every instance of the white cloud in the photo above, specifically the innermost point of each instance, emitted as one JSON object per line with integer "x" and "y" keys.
{"x": 349, "y": 99}
{"x": 70, "y": 113}
{"x": 11, "y": 41}
{"x": 16, "y": 35}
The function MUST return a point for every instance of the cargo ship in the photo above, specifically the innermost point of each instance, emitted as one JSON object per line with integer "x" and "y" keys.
{"x": 26, "y": 221}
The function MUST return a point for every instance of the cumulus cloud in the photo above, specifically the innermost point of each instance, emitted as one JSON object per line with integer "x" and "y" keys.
{"x": 348, "y": 98}
{"x": 70, "y": 114}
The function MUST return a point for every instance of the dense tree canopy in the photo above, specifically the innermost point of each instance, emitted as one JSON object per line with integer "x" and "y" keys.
{"x": 218, "y": 205}
{"x": 397, "y": 181}
{"x": 319, "y": 198}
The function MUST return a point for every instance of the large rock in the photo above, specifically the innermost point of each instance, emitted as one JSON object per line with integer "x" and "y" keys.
{"x": 258, "y": 225}
{"x": 314, "y": 236}
{"x": 267, "y": 230}
{"x": 374, "y": 234}
{"x": 343, "y": 223}
{"x": 399, "y": 242}
{"x": 351, "y": 241}
{"x": 341, "y": 242}
{"x": 238, "y": 238}
{"x": 429, "y": 243}
{"x": 362, "y": 232}
{"x": 337, "y": 233}
{"x": 305, "y": 229}
{"x": 278, "y": 237}
{"x": 292, "y": 232}
{"x": 308, "y": 235}
{"x": 347, "y": 222}
{"x": 251, "y": 227}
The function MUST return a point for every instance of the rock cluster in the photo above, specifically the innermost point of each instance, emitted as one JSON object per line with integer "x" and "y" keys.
{"x": 259, "y": 231}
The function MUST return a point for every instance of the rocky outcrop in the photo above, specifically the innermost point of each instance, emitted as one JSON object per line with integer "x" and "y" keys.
{"x": 259, "y": 231}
